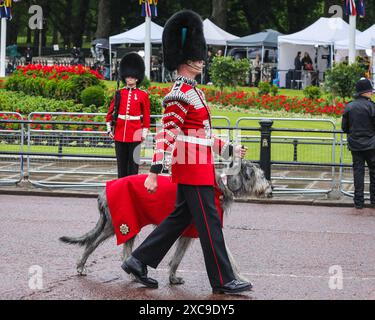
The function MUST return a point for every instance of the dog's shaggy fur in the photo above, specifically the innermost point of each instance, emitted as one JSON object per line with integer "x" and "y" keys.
{"x": 247, "y": 180}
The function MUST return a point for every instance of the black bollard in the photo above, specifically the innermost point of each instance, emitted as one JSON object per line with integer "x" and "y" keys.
{"x": 60, "y": 149}
{"x": 265, "y": 147}
{"x": 295, "y": 150}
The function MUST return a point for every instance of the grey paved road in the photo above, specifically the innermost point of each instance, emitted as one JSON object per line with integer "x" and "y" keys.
{"x": 286, "y": 251}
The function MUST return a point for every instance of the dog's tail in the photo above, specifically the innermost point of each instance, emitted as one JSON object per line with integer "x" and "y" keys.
{"x": 94, "y": 233}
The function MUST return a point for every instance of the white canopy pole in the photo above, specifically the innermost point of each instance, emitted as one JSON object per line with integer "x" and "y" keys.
{"x": 352, "y": 35}
{"x": 110, "y": 60}
{"x": 373, "y": 64}
{"x": 3, "y": 46}
{"x": 261, "y": 66}
{"x": 148, "y": 46}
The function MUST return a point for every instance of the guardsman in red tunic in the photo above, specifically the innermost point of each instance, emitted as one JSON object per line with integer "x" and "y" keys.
{"x": 186, "y": 143}
{"x": 128, "y": 118}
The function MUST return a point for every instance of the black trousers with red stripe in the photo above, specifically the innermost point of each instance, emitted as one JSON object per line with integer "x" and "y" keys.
{"x": 193, "y": 204}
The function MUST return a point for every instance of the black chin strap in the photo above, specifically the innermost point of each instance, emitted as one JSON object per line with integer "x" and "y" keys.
{"x": 194, "y": 67}
{"x": 118, "y": 82}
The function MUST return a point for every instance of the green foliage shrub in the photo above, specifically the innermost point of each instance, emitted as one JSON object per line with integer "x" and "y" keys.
{"x": 145, "y": 84}
{"x": 264, "y": 88}
{"x": 274, "y": 90}
{"x": 228, "y": 72}
{"x": 93, "y": 96}
{"x": 312, "y": 92}
{"x": 341, "y": 79}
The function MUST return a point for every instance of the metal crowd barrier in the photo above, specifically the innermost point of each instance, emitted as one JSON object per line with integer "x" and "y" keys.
{"x": 317, "y": 173}
{"x": 62, "y": 152}
{"x": 65, "y": 146}
{"x": 12, "y": 140}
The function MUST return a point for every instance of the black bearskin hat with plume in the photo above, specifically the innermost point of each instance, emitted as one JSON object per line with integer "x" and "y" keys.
{"x": 183, "y": 39}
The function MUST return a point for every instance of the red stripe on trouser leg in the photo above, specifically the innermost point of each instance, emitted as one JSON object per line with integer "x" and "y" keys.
{"x": 209, "y": 235}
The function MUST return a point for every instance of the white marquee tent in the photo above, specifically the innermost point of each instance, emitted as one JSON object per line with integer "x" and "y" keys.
{"x": 216, "y": 36}
{"x": 213, "y": 34}
{"x": 318, "y": 40}
{"x": 137, "y": 35}
{"x": 364, "y": 41}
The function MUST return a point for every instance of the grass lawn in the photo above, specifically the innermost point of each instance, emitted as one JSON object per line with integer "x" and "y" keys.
{"x": 306, "y": 124}
{"x": 67, "y": 150}
{"x": 281, "y": 151}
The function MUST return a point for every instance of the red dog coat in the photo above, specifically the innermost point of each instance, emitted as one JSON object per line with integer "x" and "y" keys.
{"x": 132, "y": 207}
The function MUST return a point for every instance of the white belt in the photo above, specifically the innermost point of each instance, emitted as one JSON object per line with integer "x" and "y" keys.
{"x": 127, "y": 117}
{"x": 195, "y": 140}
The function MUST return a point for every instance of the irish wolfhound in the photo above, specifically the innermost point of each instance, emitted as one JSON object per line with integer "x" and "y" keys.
{"x": 247, "y": 181}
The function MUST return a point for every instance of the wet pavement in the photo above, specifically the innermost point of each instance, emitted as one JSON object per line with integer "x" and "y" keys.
{"x": 287, "y": 251}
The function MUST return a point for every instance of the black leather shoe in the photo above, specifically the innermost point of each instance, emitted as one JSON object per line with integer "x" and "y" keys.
{"x": 234, "y": 286}
{"x": 139, "y": 271}
{"x": 359, "y": 206}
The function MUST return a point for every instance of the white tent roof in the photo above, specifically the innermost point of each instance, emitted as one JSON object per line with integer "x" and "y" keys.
{"x": 213, "y": 34}
{"x": 364, "y": 41}
{"x": 216, "y": 36}
{"x": 325, "y": 31}
{"x": 137, "y": 35}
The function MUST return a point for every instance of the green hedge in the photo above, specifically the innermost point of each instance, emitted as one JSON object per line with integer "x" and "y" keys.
{"x": 69, "y": 89}
{"x": 25, "y": 104}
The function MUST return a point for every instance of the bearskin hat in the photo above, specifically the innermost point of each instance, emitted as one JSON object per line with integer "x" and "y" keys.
{"x": 183, "y": 39}
{"x": 132, "y": 65}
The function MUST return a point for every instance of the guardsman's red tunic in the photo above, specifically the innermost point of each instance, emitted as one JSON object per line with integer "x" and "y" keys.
{"x": 130, "y": 125}
{"x": 186, "y": 140}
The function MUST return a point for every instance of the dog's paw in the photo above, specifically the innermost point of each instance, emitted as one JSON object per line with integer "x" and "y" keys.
{"x": 82, "y": 271}
{"x": 176, "y": 280}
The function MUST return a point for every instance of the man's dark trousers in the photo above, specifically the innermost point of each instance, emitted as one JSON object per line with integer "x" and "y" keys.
{"x": 127, "y": 158}
{"x": 359, "y": 159}
{"x": 193, "y": 204}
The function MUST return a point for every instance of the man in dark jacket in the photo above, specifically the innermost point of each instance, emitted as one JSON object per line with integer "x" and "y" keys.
{"x": 298, "y": 62}
{"x": 297, "y": 67}
{"x": 359, "y": 123}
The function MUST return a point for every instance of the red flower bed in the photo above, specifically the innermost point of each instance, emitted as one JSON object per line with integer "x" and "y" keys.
{"x": 250, "y": 100}
{"x": 58, "y": 82}
{"x": 55, "y": 72}
{"x": 9, "y": 126}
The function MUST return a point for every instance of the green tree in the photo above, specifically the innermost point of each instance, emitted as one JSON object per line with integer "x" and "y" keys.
{"x": 69, "y": 22}
{"x": 219, "y": 12}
